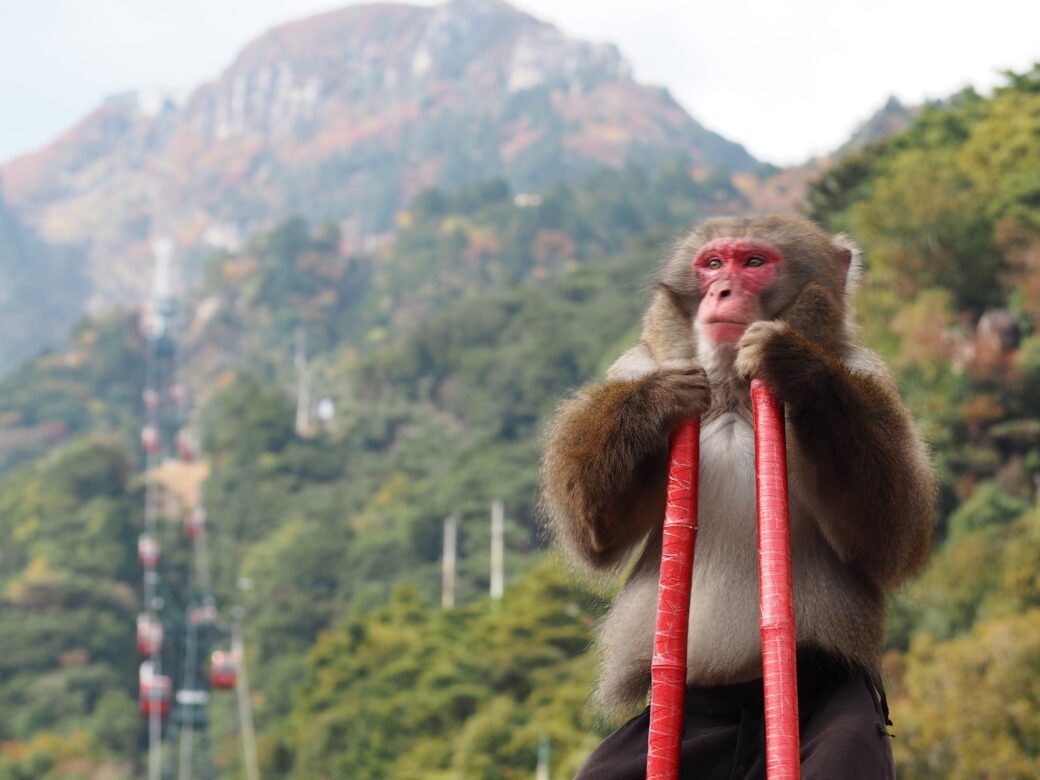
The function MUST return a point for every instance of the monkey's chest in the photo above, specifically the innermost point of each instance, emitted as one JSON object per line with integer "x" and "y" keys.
{"x": 724, "y": 608}
{"x": 726, "y": 486}
{"x": 726, "y": 511}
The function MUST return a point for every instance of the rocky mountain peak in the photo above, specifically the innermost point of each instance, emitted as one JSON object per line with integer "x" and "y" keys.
{"x": 344, "y": 116}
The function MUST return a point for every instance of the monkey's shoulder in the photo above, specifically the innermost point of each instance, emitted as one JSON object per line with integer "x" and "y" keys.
{"x": 633, "y": 364}
{"x": 860, "y": 360}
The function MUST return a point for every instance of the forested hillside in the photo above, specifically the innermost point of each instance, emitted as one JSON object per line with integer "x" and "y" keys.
{"x": 443, "y": 351}
{"x": 949, "y": 213}
{"x": 67, "y": 610}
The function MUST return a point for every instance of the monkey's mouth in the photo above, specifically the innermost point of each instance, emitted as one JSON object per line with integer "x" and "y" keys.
{"x": 725, "y": 331}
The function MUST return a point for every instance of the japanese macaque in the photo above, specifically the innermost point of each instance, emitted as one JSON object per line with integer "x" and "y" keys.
{"x": 768, "y": 298}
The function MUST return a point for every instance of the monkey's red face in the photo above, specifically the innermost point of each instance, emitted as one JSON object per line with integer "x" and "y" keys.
{"x": 733, "y": 273}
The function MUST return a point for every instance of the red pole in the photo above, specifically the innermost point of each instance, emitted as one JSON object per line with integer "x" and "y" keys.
{"x": 668, "y": 668}
{"x": 779, "y": 668}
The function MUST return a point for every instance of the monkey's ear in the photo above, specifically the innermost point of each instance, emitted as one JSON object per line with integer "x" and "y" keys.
{"x": 851, "y": 258}
{"x": 685, "y": 302}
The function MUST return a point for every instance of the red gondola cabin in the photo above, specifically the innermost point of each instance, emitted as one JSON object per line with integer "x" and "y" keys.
{"x": 150, "y": 439}
{"x": 148, "y": 552}
{"x": 223, "y": 670}
{"x": 194, "y": 521}
{"x": 149, "y": 635}
{"x": 185, "y": 447}
{"x": 155, "y": 691}
{"x": 205, "y": 615}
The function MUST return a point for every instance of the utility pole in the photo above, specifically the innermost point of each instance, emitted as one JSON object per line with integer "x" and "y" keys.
{"x": 497, "y": 549}
{"x": 542, "y": 772}
{"x": 451, "y": 527}
{"x": 303, "y": 384}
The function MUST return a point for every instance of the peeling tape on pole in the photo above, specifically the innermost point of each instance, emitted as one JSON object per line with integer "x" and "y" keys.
{"x": 779, "y": 659}
{"x": 668, "y": 668}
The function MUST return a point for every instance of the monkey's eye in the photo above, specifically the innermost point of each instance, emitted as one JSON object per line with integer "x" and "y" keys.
{"x": 715, "y": 263}
{"x": 755, "y": 261}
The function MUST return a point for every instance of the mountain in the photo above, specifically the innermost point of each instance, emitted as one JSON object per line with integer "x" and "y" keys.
{"x": 891, "y": 118}
{"x": 441, "y": 354}
{"x": 786, "y": 189}
{"x": 41, "y": 291}
{"x": 345, "y": 116}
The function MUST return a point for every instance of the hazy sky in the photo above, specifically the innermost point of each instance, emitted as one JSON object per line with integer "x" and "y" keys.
{"x": 787, "y": 79}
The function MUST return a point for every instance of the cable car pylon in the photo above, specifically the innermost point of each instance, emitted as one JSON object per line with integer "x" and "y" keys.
{"x": 184, "y": 708}
{"x": 154, "y": 688}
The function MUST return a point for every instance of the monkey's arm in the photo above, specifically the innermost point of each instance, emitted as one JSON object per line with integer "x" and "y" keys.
{"x": 605, "y": 467}
{"x": 869, "y": 471}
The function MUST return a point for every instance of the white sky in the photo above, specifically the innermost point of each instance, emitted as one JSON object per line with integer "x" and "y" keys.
{"x": 787, "y": 79}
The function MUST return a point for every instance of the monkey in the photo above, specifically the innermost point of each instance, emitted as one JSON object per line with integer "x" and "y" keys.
{"x": 736, "y": 299}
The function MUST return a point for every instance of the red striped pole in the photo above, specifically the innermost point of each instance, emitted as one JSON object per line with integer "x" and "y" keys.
{"x": 668, "y": 668}
{"x": 779, "y": 668}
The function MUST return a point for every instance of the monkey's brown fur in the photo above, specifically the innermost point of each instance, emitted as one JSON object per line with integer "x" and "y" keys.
{"x": 861, "y": 484}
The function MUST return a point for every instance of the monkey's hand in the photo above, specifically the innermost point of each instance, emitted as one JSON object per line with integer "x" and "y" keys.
{"x": 606, "y": 461}
{"x": 792, "y": 366}
{"x": 793, "y": 355}
{"x": 870, "y": 481}
{"x": 679, "y": 390}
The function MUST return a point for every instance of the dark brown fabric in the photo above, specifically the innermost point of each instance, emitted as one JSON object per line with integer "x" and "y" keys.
{"x": 841, "y": 720}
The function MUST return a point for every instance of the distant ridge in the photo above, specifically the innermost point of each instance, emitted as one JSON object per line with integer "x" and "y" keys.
{"x": 344, "y": 116}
